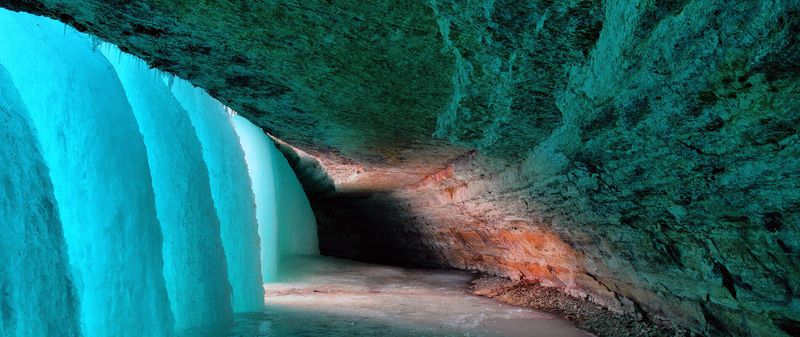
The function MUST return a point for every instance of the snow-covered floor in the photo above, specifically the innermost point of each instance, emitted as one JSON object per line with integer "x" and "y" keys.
{"x": 332, "y": 297}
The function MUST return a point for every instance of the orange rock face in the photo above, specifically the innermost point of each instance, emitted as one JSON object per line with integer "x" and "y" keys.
{"x": 443, "y": 220}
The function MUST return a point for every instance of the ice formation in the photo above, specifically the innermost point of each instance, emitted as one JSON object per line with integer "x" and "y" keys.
{"x": 231, "y": 191}
{"x": 98, "y": 166}
{"x": 194, "y": 261}
{"x": 286, "y": 224}
{"x": 259, "y": 164}
{"x": 297, "y": 227}
{"x": 127, "y": 202}
{"x": 37, "y": 296}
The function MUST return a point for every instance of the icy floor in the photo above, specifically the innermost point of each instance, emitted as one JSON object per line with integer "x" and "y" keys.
{"x": 332, "y": 297}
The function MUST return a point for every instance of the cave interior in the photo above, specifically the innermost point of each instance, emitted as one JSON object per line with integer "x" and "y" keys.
{"x": 631, "y": 167}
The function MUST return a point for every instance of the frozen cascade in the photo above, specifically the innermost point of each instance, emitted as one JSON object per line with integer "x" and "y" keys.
{"x": 194, "y": 261}
{"x": 259, "y": 164}
{"x": 98, "y": 167}
{"x": 37, "y": 298}
{"x": 124, "y": 158}
{"x": 297, "y": 227}
{"x": 231, "y": 191}
{"x": 286, "y": 223}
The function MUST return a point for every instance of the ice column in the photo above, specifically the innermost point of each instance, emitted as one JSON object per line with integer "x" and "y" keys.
{"x": 37, "y": 296}
{"x": 297, "y": 227}
{"x": 286, "y": 223}
{"x": 231, "y": 192}
{"x": 98, "y": 166}
{"x": 256, "y": 147}
{"x": 194, "y": 261}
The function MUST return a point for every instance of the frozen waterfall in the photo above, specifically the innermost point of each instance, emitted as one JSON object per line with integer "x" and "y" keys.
{"x": 297, "y": 227}
{"x": 286, "y": 223}
{"x": 194, "y": 262}
{"x": 31, "y": 233}
{"x": 256, "y": 149}
{"x": 231, "y": 190}
{"x": 98, "y": 167}
{"x": 128, "y": 207}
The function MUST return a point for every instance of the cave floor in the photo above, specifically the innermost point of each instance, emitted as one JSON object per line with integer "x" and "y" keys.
{"x": 332, "y": 297}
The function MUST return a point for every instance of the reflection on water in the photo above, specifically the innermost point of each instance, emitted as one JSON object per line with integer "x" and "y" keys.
{"x": 331, "y": 297}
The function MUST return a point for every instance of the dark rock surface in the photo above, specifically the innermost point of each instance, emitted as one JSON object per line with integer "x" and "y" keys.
{"x": 643, "y": 153}
{"x": 585, "y": 314}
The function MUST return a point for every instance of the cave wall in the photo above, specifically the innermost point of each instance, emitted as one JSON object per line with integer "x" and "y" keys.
{"x": 674, "y": 159}
{"x": 665, "y": 186}
{"x": 643, "y": 153}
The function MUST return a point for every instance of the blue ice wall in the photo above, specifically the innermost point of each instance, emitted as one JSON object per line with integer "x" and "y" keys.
{"x": 286, "y": 223}
{"x": 127, "y": 157}
{"x": 194, "y": 261}
{"x": 98, "y": 166}
{"x": 256, "y": 147}
{"x": 231, "y": 191}
{"x": 37, "y": 295}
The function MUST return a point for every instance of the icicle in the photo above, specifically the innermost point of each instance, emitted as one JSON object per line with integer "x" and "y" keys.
{"x": 95, "y": 43}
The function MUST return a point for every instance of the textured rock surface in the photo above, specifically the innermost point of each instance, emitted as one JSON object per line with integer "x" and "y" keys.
{"x": 644, "y": 153}
{"x": 587, "y": 315}
{"x": 362, "y": 79}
